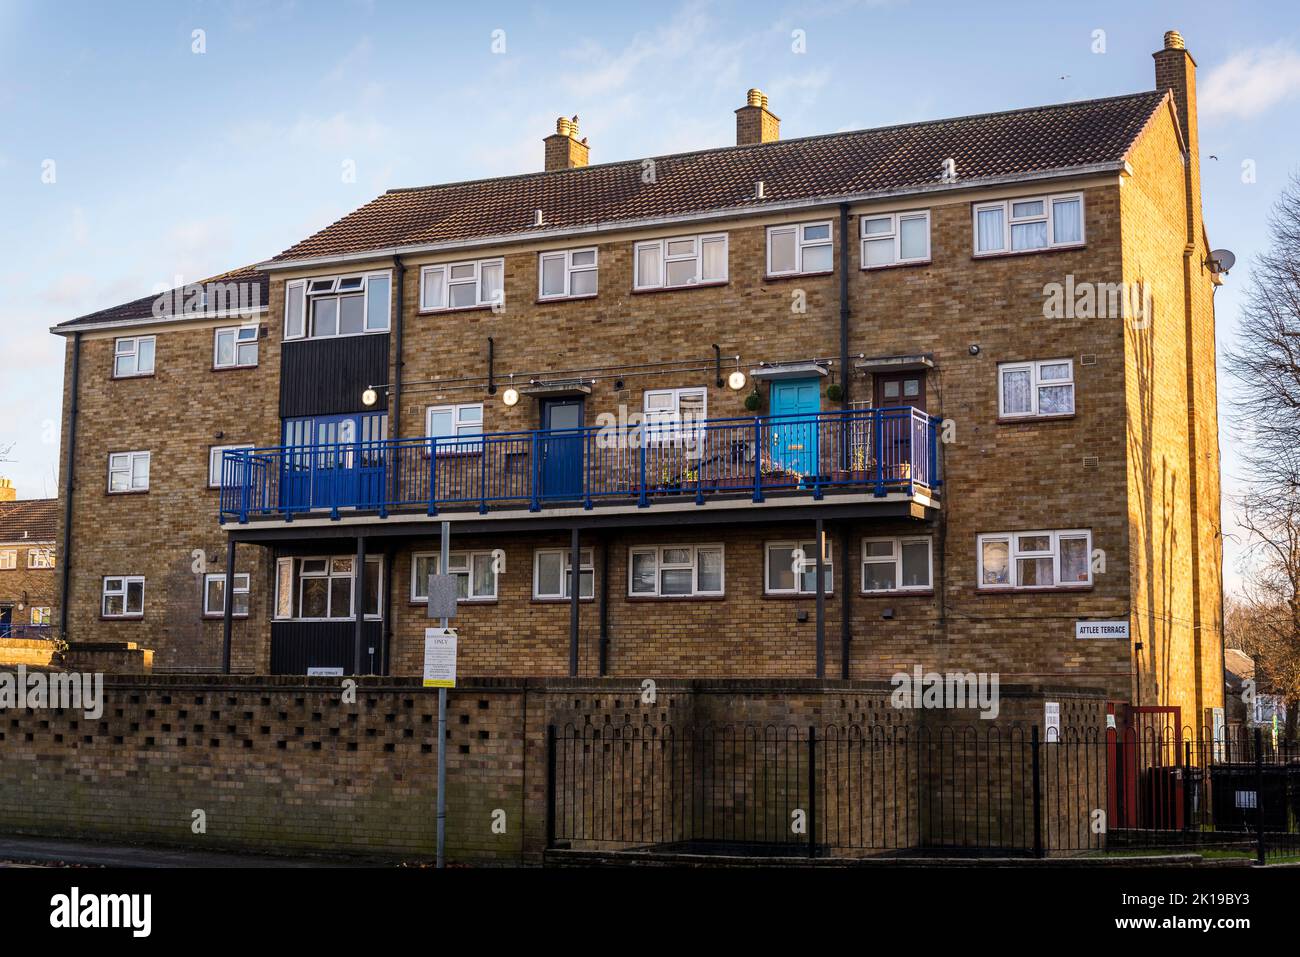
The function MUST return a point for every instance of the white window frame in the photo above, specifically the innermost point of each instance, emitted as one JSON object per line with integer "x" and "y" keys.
{"x": 694, "y": 565}
{"x": 696, "y": 255}
{"x": 128, "y": 347}
{"x": 1013, "y": 553}
{"x": 8, "y": 559}
{"x": 122, "y": 590}
{"x": 809, "y": 564}
{"x": 41, "y": 616}
{"x": 896, "y": 542}
{"x": 296, "y": 577}
{"x": 569, "y": 270}
{"x": 895, "y": 233}
{"x": 664, "y": 426}
{"x": 435, "y": 560}
{"x": 241, "y": 338}
{"x": 801, "y": 242}
{"x": 41, "y": 551}
{"x": 1034, "y": 368}
{"x": 215, "y": 460}
{"x": 1048, "y": 201}
{"x": 129, "y": 470}
{"x": 326, "y": 287}
{"x": 588, "y": 564}
{"x": 444, "y": 305}
{"x": 474, "y": 439}
{"x": 240, "y": 586}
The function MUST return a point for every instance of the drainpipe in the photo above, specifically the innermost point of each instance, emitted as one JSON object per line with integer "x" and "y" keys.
{"x": 65, "y": 549}
{"x": 846, "y": 632}
{"x": 399, "y": 281}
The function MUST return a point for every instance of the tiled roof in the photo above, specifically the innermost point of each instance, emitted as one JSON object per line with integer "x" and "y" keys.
{"x": 37, "y": 517}
{"x": 988, "y": 146}
{"x": 143, "y": 308}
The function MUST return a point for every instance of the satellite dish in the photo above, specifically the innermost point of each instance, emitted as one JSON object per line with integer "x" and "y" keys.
{"x": 1222, "y": 260}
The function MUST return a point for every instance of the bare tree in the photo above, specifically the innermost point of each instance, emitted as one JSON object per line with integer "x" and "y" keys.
{"x": 1266, "y": 419}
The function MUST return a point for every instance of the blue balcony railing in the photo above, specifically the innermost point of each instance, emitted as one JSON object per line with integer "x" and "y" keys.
{"x": 877, "y": 450}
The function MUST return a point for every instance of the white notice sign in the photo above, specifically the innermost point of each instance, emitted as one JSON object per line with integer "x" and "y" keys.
{"x": 440, "y": 657}
{"x": 1101, "y": 629}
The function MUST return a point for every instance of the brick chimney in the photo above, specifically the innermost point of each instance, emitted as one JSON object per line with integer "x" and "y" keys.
{"x": 563, "y": 148}
{"x": 7, "y": 491}
{"x": 1176, "y": 71}
{"x": 755, "y": 123}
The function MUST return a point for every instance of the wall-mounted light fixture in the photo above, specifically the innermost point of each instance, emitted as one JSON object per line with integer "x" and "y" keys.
{"x": 369, "y": 397}
{"x": 510, "y": 396}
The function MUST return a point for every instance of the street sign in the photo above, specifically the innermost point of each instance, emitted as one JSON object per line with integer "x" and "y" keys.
{"x": 324, "y": 672}
{"x": 1117, "y": 630}
{"x": 440, "y": 657}
{"x": 442, "y": 596}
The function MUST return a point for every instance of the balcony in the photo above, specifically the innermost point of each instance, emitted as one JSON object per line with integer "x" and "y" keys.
{"x": 874, "y": 451}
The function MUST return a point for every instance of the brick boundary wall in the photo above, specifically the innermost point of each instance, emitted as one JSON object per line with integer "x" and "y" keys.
{"x": 281, "y": 765}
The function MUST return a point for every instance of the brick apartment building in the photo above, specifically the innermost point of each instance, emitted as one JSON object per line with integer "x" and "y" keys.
{"x": 641, "y": 391}
{"x": 28, "y": 590}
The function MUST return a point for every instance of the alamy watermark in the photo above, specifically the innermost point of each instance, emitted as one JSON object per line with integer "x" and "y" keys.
{"x": 196, "y": 298}
{"x": 1098, "y": 300}
{"x": 71, "y": 690}
{"x": 953, "y": 689}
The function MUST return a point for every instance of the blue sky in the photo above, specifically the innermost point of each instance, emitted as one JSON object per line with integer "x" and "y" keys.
{"x": 174, "y": 163}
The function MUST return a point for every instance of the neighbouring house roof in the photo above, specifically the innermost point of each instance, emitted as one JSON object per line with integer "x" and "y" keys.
{"x": 1239, "y": 665}
{"x": 174, "y": 300}
{"x": 33, "y": 520}
{"x": 987, "y": 147}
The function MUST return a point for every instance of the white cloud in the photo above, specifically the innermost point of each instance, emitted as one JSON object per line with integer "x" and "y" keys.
{"x": 1250, "y": 82}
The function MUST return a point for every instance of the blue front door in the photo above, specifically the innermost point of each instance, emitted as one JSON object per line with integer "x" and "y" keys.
{"x": 561, "y": 447}
{"x": 334, "y": 461}
{"x": 793, "y": 430}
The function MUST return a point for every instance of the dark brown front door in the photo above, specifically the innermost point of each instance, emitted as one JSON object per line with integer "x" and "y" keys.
{"x": 900, "y": 389}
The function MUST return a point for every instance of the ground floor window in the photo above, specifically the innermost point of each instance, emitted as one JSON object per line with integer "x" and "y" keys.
{"x": 896, "y": 564}
{"x": 123, "y": 596}
{"x": 41, "y": 615}
{"x": 321, "y": 588}
{"x": 1039, "y": 559}
{"x": 791, "y": 568}
{"x": 675, "y": 571}
{"x": 553, "y": 568}
{"x": 214, "y": 595}
{"x": 476, "y": 575}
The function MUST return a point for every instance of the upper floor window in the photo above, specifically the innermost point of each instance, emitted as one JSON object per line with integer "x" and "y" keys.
{"x": 128, "y": 471}
{"x": 123, "y": 597}
{"x": 801, "y": 248}
{"x": 566, "y": 273}
{"x": 42, "y": 557}
{"x": 475, "y": 572}
{"x": 133, "y": 356}
{"x": 8, "y": 559}
{"x": 1050, "y": 559}
{"x": 682, "y": 261}
{"x": 671, "y": 414}
{"x": 444, "y": 421}
{"x": 326, "y": 307}
{"x": 216, "y": 464}
{"x": 463, "y": 285}
{"x": 1038, "y": 222}
{"x": 41, "y": 616}
{"x": 1029, "y": 389}
{"x": 235, "y": 347}
{"x": 553, "y": 570}
{"x": 896, "y": 564}
{"x": 214, "y": 595}
{"x": 895, "y": 238}
{"x": 792, "y": 568}
{"x": 675, "y": 571}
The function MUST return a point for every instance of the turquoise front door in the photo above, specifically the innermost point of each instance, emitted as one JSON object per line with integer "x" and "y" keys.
{"x": 793, "y": 442}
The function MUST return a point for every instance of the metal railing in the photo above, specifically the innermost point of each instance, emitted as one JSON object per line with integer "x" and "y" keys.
{"x": 876, "y": 450}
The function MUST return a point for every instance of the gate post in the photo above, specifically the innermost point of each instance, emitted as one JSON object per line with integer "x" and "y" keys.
{"x": 550, "y": 786}
{"x": 812, "y": 791}
{"x": 1038, "y": 794}
{"x": 1259, "y": 795}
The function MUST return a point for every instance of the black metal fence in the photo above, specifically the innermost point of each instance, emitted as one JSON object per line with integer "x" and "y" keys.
{"x": 851, "y": 790}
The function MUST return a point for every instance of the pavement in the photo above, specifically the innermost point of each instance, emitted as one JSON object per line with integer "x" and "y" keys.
{"x": 46, "y": 852}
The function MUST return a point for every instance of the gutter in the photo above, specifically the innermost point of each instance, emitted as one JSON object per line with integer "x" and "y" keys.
{"x": 731, "y": 212}
{"x": 72, "y": 330}
{"x": 69, "y": 487}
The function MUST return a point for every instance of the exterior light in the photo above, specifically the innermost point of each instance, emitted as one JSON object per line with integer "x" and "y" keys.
{"x": 510, "y": 396}
{"x": 369, "y": 397}
{"x": 736, "y": 380}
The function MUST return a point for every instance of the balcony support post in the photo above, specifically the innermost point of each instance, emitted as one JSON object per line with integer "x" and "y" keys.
{"x": 535, "y": 462}
{"x": 575, "y": 591}
{"x": 643, "y": 496}
{"x": 359, "y": 602}
{"x": 227, "y": 612}
{"x": 878, "y": 443}
{"x": 758, "y": 459}
{"x": 432, "y": 510}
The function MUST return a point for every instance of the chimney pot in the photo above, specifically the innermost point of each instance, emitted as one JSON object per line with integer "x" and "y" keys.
{"x": 1174, "y": 41}
{"x": 756, "y": 98}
